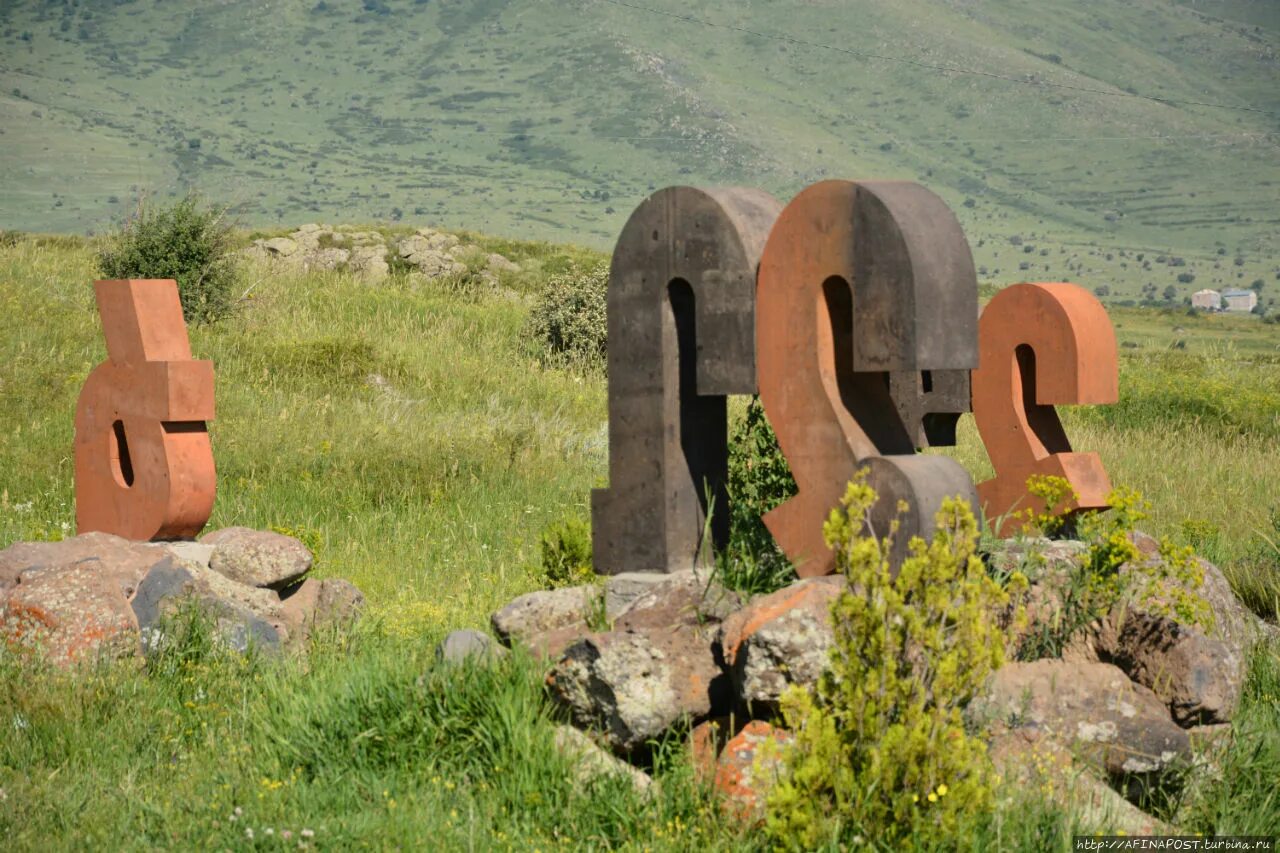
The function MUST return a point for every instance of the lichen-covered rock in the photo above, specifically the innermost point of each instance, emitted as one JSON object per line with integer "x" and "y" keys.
{"x": 534, "y": 615}
{"x": 69, "y": 613}
{"x": 1198, "y": 677}
{"x": 326, "y": 259}
{"x": 241, "y": 614}
{"x": 690, "y": 597}
{"x": 592, "y": 762}
{"x": 780, "y": 639}
{"x": 750, "y": 764}
{"x": 369, "y": 263}
{"x": 280, "y": 246}
{"x": 1093, "y": 708}
{"x": 119, "y": 560}
{"x": 634, "y": 685}
{"x": 259, "y": 558}
{"x": 497, "y": 264}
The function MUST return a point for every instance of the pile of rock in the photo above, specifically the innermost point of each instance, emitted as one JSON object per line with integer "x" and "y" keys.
{"x": 98, "y": 595}
{"x": 429, "y": 254}
{"x": 637, "y": 657}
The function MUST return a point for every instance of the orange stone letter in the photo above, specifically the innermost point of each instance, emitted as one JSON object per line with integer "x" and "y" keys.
{"x": 1040, "y": 344}
{"x": 144, "y": 465}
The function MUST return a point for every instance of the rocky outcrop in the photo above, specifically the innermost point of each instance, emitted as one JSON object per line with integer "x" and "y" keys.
{"x": 97, "y": 595}
{"x": 429, "y": 254}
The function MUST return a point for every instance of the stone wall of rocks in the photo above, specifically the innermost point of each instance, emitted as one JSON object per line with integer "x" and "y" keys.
{"x": 637, "y": 657}
{"x": 429, "y": 254}
{"x": 97, "y": 595}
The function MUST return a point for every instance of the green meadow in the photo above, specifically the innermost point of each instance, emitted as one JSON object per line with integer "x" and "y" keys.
{"x": 412, "y": 435}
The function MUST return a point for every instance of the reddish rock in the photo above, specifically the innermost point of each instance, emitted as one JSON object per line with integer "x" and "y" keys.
{"x": 749, "y": 766}
{"x": 690, "y": 597}
{"x": 120, "y": 561}
{"x": 706, "y": 741}
{"x": 781, "y": 639}
{"x": 70, "y": 613}
{"x": 317, "y": 604}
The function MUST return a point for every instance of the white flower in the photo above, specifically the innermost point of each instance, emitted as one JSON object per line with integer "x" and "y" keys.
{"x": 248, "y": 832}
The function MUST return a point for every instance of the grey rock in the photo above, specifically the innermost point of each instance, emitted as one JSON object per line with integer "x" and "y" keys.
{"x": 172, "y": 583}
{"x": 689, "y": 597}
{"x": 121, "y": 561}
{"x": 369, "y": 263}
{"x": 592, "y": 762}
{"x": 319, "y": 604}
{"x": 326, "y": 259}
{"x": 259, "y": 558}
{"x": 191, "y": 552}
{"x": 535, "y": 614}
{"x": 279, "y": 246}
{"x": 461, "y": 646}
{"x": 496, "y": 264}
{"x": 634, "y": 685}
{"x": 1092, "y": 708}
{"x": 781, "y": 639}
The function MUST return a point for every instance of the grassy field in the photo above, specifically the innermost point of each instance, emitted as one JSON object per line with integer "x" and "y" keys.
{"x": 413, "y": 433}
{"x": 1034, "y": 120}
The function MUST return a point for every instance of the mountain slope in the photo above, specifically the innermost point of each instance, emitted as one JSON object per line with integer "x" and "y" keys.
{"x": 553, "y": 118}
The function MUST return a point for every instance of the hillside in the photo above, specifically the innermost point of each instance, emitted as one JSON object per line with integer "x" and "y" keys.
{"x": 1085, "y": 131}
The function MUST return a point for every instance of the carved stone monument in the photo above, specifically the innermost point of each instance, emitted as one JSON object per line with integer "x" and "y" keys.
{"x": 143, "y": 463}
{"x": 1042, "y": 344}
{"x": 681, "y": 316}
{"x": 866, "y": 293}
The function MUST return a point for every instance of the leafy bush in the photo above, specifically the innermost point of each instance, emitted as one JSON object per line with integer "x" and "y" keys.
{"x": 565, "y": 550}
{"x": 881, "y": 749}
{"x": 569, "y": 319}
{"x": 187, "y": 242}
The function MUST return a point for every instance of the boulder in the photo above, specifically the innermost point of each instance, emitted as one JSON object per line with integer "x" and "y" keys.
{"x": 461, "y": 646}
{"x": 1199, "y": 678}
{"x": 1029, "y": 761}
{"x": 690, "y": 597}
{"x": 533, "y": 617}
{"x": 260, "y": 558}
{"x": 119, "y": 560}
{"x": 498, "y": 264}
{"x": 780, "y": 639}
{"x": 241, "y": 614}
{"x": 749, "y": 767}
{"x": 1093, "y": 708}
{"x": 327, "y": 259}
{"x": 634, "y": 685}
{"x": 70, "y": 613}
{"x": 369, "y": 263}
{"x": 318, "y": 604}
{"x": 280, "y": 247}
{"x": 591, "y": 762}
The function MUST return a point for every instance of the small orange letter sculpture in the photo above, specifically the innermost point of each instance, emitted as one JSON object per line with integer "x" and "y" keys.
{"x": 144, "y": 465}
{"x": 1040, "y": 344}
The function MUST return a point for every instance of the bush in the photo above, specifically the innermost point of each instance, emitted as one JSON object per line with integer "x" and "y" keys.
{"x": 759, "y": 480}
{"x": 569, "y": 320}
{"x": 881, "y": 750}
{"x": 189, "y": 243}
{"x": 565, "y": 549}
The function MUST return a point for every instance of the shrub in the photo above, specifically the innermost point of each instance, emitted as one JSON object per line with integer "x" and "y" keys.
{"x": 569, "y": 319}
{"x": 759, "y": 480}
{"x": 881, "y": 749}
{"x": 187, "y": 242}
{"x": 565, "y": 550}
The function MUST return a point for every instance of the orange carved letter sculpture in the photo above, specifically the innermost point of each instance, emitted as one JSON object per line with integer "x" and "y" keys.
{"x": 144, "y": 465}
{"x": 1040, "y": 344}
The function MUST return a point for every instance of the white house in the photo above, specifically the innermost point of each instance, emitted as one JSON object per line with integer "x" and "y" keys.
{"x": 1207, "y": 300}
{"x": 1240, "y": 300}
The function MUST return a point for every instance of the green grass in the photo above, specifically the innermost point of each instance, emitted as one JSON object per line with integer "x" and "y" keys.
{"x": 554, "y": 120}
{"x": 415, "y": 435}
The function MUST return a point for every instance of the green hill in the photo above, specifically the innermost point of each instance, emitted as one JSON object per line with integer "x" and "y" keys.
{"x": 1112, "y": 139}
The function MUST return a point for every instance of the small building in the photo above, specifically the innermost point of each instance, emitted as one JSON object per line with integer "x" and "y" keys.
{"x": 1240, "y": 300}
{"x": 1207, "y": 300}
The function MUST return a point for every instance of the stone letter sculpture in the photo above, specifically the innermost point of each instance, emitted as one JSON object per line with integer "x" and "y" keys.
{"x": 144, "y": 465}
{"x": 860, "y": 283}
{"x": 1041, "y": 344}
{"x": 681, "y": 320}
